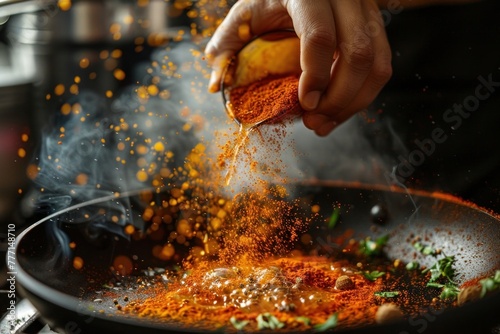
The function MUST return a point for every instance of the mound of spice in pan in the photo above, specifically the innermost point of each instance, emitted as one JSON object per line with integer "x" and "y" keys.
{"x": 268, "y": 99}
{"x": 298, "y": 293}
{"x": 248, "y": 263}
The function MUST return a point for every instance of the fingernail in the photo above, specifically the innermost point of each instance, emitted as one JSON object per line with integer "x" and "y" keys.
{"x": 213, "y": 85}
{"x": 311, "y": 100}
{"x": 326, "y": 129}
{"x": 314, "y": 121}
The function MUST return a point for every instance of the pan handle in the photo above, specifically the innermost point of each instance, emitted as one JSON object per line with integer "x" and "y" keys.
{"x": 25, "y": 319}
{"x": 13, "y": 7}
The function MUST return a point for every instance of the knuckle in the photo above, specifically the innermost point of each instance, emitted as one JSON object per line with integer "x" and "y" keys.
{"x": 361, "y": 56}
{"x": 318, "y": 37}
{"x": 382, "y": 71}
{"x": 339, "y": 104}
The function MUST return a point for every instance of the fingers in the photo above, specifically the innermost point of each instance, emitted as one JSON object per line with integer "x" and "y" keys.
{"x": 225, "y": 42}
{"x": 362, "y": 67}
{"x": 381, "y": 71}
{"x": 219, "y": 64}
{"x": 314, "y": 24}
{"x": 245, "y": 20}
{"x": 345, "y": 56}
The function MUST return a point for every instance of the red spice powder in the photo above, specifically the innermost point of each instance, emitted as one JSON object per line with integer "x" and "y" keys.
{"x": 266, "y": 99}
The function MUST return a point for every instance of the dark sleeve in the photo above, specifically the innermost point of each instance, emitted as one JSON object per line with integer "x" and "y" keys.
{"x": 438, "y": 118}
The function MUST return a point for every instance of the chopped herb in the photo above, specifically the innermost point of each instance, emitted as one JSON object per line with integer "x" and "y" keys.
{"x": 334, "y": 218}
{"x": 450, "y": 291}
{"x": 371, "y": 248}
{"x": 426, "y": 250}
{"x": 330, "y": 323}
{"x": 267, "y": 320}
{"x": 238, "y": 324}
{"x": 490, "y": 284}
{"x": 387, "y": 294}
{"x": 373, "y": 275}
{"x": 442, "y": 268}
{"x": 305, "y": 320}
{"x": 413, "y": 265}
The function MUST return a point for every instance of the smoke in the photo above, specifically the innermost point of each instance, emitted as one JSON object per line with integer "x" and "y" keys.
{"x": 96, "y": 146}
{"x": 346, "y": 154}
{"x": 103, "y": 146}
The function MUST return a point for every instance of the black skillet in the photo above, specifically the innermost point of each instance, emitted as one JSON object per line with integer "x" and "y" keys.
{"x": 65, "y": 297}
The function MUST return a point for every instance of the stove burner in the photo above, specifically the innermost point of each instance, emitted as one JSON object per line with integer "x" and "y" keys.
{"x": 26, "y": 321}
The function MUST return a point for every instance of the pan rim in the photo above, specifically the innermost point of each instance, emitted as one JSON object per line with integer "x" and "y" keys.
{"x": 69, "y": 302}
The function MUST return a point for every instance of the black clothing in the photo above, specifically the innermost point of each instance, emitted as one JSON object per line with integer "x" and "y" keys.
{"x": 439, "y": 116}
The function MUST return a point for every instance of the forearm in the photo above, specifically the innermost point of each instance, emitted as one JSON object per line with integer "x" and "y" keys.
{"x": 417, "y": 3}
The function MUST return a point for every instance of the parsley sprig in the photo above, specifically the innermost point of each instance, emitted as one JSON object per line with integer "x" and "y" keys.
{"x": 372, "y": 276}
{"x": 267, "y": 320}
{"x": 238, "y": 324}
{"x": 442, "y": 268}
{"x": 386, "y": 294}
{"x": 442, "y": 271}
{"x": 490, "y": 284}
{"x": 330, "y": 323}
{"x": 450, "y": 291}
{"x": 371, "y": 247}
{"x": 424, "y": 249}
{"x": 334, "y": 218}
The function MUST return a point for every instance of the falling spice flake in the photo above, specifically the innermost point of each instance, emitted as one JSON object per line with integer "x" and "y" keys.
{"x": 159, "y": 147}
{"x": 21, "y": 153}
{"x": 59, "y": 90}
{"x": 84, "y": 63}
{"x": 142, "y": 176}
{"x": 64, "y": 5}
{"x": 82, "y": 179}
{"x": 123, "y": 265}
{"x": 77, "y": 263}
{"x": 119, "y": 74}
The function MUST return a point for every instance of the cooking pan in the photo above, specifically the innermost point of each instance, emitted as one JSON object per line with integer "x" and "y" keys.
{"x": 66, "y": 297}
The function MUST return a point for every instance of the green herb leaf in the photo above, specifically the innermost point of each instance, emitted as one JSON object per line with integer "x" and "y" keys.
{"x": 496, "y": 278}
{"x": 372, "y": 248}
{"x": 426, "y": 250}
{"x": 305, "y": 320}
{"x": 334, "y": 218}
{"x": 373, "y": 275}
{"x": 435, "y": 285}
{"x": 330, "y": 323}
{"x": 387, "y": 294}
{"x": 490, "y": 284}
{"x": 238, "y": 324}
{"x": 418, "y": 246}
{"x": 413, "y": 265}
{"x": 442, "y": 268}
{"x": 450, "y": 291}
{"x": 267, "y": 320}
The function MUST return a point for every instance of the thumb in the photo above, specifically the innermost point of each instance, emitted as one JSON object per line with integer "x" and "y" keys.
{"x": 316, "y": 30}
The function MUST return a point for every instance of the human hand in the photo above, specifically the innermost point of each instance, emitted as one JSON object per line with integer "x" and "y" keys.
{"x": 345, "y": 56}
